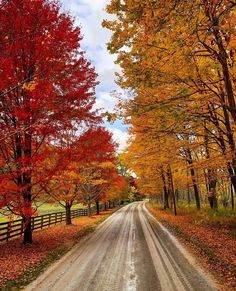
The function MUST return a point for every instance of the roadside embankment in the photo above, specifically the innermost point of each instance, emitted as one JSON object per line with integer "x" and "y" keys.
{"x": 20, "y": 264}
{"x": 213, "y": 244}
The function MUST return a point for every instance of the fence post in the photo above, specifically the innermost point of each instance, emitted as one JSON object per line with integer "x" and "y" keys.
{"x": 22, "y": 227}
{"x": 42, "y": 222}
{"x": 8, "y": 230}
{"x": 32, "y": 223}
{"x": 38, "y": 222}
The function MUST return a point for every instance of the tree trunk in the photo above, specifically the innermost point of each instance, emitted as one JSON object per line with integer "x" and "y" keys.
{"x": 223, "y": 60}
{"x": 89, "y": 206}
{"x": 105, "y": 206}
{"x": 27, "y": 237}
{"x": 24, "y": 180}
{"x": 195, "y": 189}
{"x": 231, "y": 141}
{"x": 68, "y": 214}
{"x": 171, "y": 183}
{"x": 212, "y": 182}
{"x": 212, "y": 191}
{"x": 232, "y": 196}
{"x": 232, "y": 175}
{"x": 211, "y": 173}
{"x": 193, "y": 176}
{"x": 97, "y": 207}
{"x": 165, "y": 192}
{"x": 222, "y": 57}
{"x": 26, "y": 183}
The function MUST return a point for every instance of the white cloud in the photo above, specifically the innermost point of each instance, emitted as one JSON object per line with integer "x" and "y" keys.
{"x": 89, "y": 14}
{"x": 121, "y": 137}
{"x": 105, "y": 102}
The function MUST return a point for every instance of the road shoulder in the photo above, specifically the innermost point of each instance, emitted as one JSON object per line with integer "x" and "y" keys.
{"x": 204, "y": 245}
{"x": 49, "y": 246}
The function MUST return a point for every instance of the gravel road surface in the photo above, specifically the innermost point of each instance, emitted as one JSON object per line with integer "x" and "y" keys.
{"x": 130, "y": 251}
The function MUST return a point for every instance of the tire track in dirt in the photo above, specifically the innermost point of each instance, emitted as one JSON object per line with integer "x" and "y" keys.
{"x": 130, "y": 251}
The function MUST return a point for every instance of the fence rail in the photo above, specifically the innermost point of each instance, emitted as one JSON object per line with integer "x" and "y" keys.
{"x": 16, "y": 227}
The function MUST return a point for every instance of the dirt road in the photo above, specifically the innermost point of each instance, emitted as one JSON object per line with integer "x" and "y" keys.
{"x": 129, "y": 251}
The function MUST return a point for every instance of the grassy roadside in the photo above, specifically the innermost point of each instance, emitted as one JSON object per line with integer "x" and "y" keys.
{"x": 49, "y": 246}
{"x": 33, "y": 271}
{"x": 213, "y": 244}
{"x": 45, "y": 208}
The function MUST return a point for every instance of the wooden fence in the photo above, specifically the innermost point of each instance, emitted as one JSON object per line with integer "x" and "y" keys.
{"x": 16, "y": 227}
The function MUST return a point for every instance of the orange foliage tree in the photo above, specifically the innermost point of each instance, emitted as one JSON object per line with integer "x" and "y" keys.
{"x": 86, "y": 161}
{"x": 178, "y": 65}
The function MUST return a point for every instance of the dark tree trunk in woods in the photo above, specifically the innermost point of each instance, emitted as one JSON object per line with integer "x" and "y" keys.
{"x": 212, "y": 182}
{"x": 233, "y": 181}
{"x": 232, "y": 196}
{"x": 231, "y": 166}
{"x": 223, "y": 60}
{"x": 166, "y": 198}
{"x": 68, "y": 214}
{"x": 165, "y": 192}
{"x": 195, "y": 189}
{"x": 171, "y": 183}
{"x": 223, "y": 57}
{"x": 231, "y": 171}
{"x": 212, "y": 191}
{"x": 105, "y": 206}
{"x": 210, "y": 175}
{"x": 193, "y": 176}
{"x": 89, "y": 205}
{"x": 97, "y": 207}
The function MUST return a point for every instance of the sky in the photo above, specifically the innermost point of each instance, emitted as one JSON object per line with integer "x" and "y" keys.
{"x": 89, "y": 15}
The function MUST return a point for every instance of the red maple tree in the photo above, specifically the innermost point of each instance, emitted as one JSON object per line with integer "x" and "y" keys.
{"x": 47, "y": 92}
